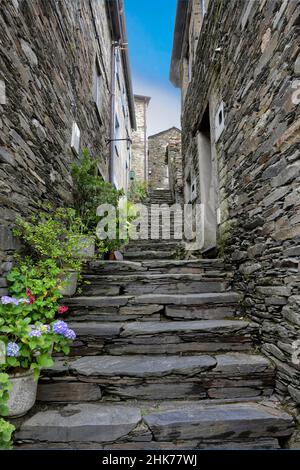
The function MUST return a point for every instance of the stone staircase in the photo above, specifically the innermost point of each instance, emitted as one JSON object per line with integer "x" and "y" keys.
{"x": 157, "y": 248}
{"x": 162, "y": 360}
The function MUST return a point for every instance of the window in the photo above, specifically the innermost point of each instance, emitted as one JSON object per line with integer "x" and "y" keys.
{"x": 126, "y": 175}
{"x": 190, "y": 69}
{"x": 219, "y": 121}
{"x": 75, "y": 139}
{"x": 118, "y": 70}
{"x": 194, "y": 190}
{"x": 2, "y": 92}
{"x": 98, "y": 87}
{"x": 191, "y": 187}
{"x": 117, "y": 135}
{"x": 128, "y": 139}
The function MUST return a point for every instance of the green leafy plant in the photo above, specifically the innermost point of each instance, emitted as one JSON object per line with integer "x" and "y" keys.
{"x": 90, "y": 191}
{"x": 5, "y": 386}
{"x": 53, "y": 235}
{"x": 138, "y": 192}
{"x": 41, "y": 281}
{"x": 6, "y": 431}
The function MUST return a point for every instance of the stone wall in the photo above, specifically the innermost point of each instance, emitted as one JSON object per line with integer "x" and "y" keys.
{"x": 47, "y": 62}
{"x": 248, "y": 57}
{"x": 158, "y": 165}
{"x": 139, "y": 153}
{"x": 174, "y": 160}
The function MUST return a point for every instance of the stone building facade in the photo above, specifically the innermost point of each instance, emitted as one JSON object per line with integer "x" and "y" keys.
{"x": 139, "y": 157}
{"x": 64, "y": 85}
{"x": 241, "y": 127}
{"x": 174, "y": 162}
{"x": 158, "y": 163}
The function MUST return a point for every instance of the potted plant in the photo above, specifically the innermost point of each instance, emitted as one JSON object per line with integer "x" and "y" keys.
{"x": 80, "y": 236}
{"x": 138, "y": 192}
{"x": 90, "y": 192}
{"x": 55, "y": 236}
{"x": 40, "y": 281}
{"x": 29, "y": 346}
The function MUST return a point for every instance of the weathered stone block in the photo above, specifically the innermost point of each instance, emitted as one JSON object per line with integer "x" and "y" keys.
{"x": 214, "y": 422}
{"x": 81, "y": 423}
{"x": 6, "y": 157}
{"x": 7, "y": 240}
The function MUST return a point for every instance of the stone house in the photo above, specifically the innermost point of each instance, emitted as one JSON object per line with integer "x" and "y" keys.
{"x": 158, "y": 162}
{"x": 65, "y": 84}
{"x": 139, "y": 158}
{"x": 237, "y": 64}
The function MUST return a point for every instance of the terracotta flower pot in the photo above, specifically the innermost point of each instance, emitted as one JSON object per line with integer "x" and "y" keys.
{"x": 22, "y": 396}
{"x": 115, "y": 256}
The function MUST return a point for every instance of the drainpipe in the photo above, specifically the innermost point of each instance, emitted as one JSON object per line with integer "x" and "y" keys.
{"x": 112, "y": 111}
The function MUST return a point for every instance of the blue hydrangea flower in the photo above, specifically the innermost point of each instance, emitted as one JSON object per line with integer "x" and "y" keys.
{"x": 24, "y": 301}
{"x": 5, "y": 299}
{"x": 35, "y": 333}
{"x": 12, "y": 349}
{"x": 70, "y": 334}
{"x": 60, "y": 327}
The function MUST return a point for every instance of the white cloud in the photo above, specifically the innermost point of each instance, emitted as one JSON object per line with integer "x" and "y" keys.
{"x": 164, "y": 107}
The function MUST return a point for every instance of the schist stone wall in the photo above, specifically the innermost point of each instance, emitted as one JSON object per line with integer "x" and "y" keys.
{"x": 158, "y": 164}
{"x": 248, "y": 56}
{"x": 139, "y": 149}
{"x": 174, "y": 161}
{"x": 47, "y": 64}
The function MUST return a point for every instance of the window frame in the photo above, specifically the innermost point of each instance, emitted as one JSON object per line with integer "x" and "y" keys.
{"x": 117, "y": 135}
{"x": 98, "y": 88}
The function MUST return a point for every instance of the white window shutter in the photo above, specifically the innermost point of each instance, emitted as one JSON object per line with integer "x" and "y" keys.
{"x": 75, "y": 140}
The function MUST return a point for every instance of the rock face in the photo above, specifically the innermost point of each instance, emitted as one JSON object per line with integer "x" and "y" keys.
{"x": 171, "y": 380}
{"x": 246, "y": 56}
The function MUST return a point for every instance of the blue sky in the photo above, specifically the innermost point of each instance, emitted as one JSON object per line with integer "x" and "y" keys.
{"x": 150, "y": 25}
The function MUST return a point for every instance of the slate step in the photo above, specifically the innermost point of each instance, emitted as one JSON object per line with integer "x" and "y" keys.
{"x": 148, "y": 255}
{"x": 210, "y": 267}
{"x": 208, "y": 306}
{"x": 151, "y": 283}
{"x": 221, "y": 422}
{"x": 91, "y": 426}
{"x": 173, "y": 337}
{"x": 224, "y": 376}
{"x": 151, "y": 245}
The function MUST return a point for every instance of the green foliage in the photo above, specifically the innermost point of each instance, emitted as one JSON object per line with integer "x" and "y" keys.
{"x": 53, "y": 236}
{"x": 91, "y": 191}
{"x": 5, "y": 386}
{"x": 34, "y": 340}
{"x": 138, "y": 192}
{"x": 42, "y": 280}
{"x": 6, "y": 430}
